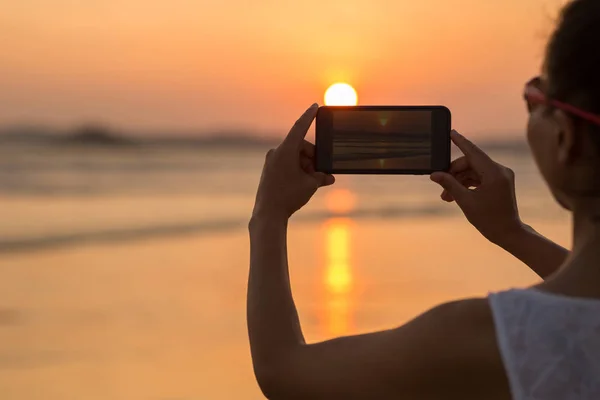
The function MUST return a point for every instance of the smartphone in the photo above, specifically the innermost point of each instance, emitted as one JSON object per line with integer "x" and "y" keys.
{"x": 411, "y": 140}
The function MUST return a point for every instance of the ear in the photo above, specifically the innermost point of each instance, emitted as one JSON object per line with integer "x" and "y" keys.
{"x": 567, "y": 137}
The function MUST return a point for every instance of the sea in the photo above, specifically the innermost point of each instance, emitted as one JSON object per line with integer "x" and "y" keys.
{"x": 123, "y": 267}
{"x": 64, "y": 195}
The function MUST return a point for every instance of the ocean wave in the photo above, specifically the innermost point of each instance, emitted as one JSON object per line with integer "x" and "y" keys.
{"x": 122, "y": 234}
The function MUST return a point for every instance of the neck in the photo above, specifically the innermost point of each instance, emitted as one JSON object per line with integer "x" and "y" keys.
{"x": 580, "y": 275}
{"x": 586, "y": 229}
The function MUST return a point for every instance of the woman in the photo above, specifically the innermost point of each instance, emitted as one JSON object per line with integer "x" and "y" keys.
{"x": 538, "y": 343}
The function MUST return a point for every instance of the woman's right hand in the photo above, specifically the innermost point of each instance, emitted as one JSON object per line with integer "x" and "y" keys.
{"x": 483, "y": 189}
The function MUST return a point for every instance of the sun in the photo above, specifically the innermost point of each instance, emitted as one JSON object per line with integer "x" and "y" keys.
{"x": 341, "y": 94}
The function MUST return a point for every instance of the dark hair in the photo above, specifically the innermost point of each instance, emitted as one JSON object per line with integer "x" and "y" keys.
{"x": 573, "y": 58}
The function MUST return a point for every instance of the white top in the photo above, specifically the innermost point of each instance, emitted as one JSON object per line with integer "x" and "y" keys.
{"x": 550, "y": 344}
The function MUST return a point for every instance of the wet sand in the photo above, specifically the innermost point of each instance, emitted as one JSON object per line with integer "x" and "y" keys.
{"x": 165, "y": 318}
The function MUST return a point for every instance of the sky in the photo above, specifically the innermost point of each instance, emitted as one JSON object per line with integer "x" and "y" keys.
{"x": 254, "y": 66}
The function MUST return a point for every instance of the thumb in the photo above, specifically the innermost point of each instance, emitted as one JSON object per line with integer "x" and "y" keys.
{"x": 323, "y": 179}
{"x": 450, "y": 185}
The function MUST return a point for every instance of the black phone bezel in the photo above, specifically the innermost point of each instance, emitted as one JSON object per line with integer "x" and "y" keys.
{"x": 440, "y": 143}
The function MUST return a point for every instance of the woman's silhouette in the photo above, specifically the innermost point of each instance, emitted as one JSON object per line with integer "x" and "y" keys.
{"x": 538, "y": 343}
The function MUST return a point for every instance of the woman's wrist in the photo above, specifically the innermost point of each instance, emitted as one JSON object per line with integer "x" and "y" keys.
{"x": 261, "y": 219}
{"x": 514, "y": 236}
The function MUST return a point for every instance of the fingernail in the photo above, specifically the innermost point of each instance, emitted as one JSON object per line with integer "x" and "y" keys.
{"x": 455, "y": 132}
{"x": 315, "y": 105}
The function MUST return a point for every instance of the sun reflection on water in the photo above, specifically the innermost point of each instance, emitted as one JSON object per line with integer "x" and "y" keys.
{"x": 338, "y": 278}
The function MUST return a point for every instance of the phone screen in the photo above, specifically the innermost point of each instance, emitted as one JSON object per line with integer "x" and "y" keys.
{"x": 384, "y": 139}
{"x": 381, "y": 139}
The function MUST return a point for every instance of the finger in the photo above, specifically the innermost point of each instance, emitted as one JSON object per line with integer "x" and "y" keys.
{"x": 307, "y": 165}
{"x": 468, "y": 179}
{"x": 468, "y": 176}
{"x": 446, "y": 196}
{"x": 269, "y": 154}
{"x": 469, "y": 183}
{"x": 450, "y": 184}
{"x": 323, "y": 179}
{"x": 459, "y": 165}
{"x": 308, "y": 149}
{"x": 296, "y": 135}
{"x": 307, "y": 157}
{"x": 476, "y": 157}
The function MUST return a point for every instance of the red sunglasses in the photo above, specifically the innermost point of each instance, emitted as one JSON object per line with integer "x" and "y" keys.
{"x": 535, "y": 95}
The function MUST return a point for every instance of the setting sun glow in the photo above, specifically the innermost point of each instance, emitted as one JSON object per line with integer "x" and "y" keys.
{"x": 340, "y": 201}
{"x": 341, "y": 94}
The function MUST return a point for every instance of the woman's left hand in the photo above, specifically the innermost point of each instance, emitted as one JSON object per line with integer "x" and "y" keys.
{"x": 289, "y": 178}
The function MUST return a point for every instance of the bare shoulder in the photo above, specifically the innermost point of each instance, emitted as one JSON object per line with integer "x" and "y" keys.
{"x": 463, "y": 315}
{"x": 467, "y": 325}
{"x": 447, "y": 352}
{"x": 460, "y": 336}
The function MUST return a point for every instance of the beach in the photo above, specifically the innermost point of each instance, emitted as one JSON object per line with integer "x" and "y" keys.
{"x": 135, "y": 291}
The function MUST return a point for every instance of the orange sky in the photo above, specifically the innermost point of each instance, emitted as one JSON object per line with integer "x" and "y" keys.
{"x": 255, "y": 65}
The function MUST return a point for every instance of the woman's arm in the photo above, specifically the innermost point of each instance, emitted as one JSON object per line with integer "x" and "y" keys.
{"x": 485, "y": 192}
{"x": 449, "y": 351}
{"x": 273, "y": 324}
{"x": 440, "y": 353}
{"x": 287, "y": 183}
{"x": 541, "y": 254}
